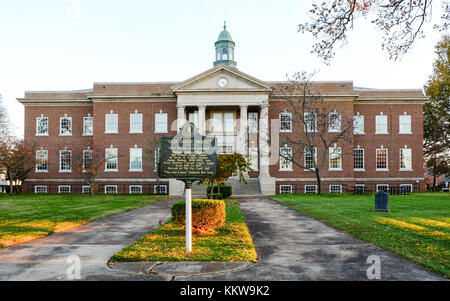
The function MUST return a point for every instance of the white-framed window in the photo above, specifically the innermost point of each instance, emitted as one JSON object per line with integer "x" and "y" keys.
{"x": 309, "y": 158}
{"x": 286, "y": 158}
{"x": 86, "y": 189}
{"x": 360, "y": 188}
{"x": 111, "y": 159}
{"x": 42, "y": 160}
{"x": 335, "y": 188}
{"x": 193, "y": 117}
{"x": 135, "y": 159}
{"x": 382, "y": 159}
{"x": 252, "y": 122}
{"x": 358, "y": 124}
{"x": 381, "y": 124}
{"x": 253, "y": 157}
{"x": 285, "y": 189}
{"x": 310, "y": 188}
{"x": 136, "y": 123}
{"x": 160, "y": 189}
{"x": 334, "y": 122}
{"x": 65, "y": 160}
{"x": 111, "y": 123}
{"x": 65, "y": 126}
{"x": 405, "y": 159}
{"x": 358, "y": 159}
{"x": 406, "y": 187}
{"x": 285, "y": 122}
{"x": 88, "y": 126}
{"x": 310, "y": 122}
{"x": 88, "y": 162}
{"x": 64, "y": 189}
{"x": 40, "y": 189}
{"x": 157, "y": 154}
{"x": 110, "y": 189}
{"x": 42, "y": 126}
{"x": 161, "y": 123}
{"x": 404, "y": 126}
{"x": 335, "y": 158}
{"x": 135, "y": 189}
{"x": 384, "y": 187}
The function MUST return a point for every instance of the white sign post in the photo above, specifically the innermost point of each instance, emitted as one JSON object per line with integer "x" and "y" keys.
{"x": 188, "y": 217}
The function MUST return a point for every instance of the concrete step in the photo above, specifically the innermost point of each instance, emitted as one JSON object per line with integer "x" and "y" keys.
{"x": 239, "y": 189}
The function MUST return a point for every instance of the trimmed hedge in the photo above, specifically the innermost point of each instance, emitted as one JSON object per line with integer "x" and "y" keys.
{"x": 206, "y": 214}
{"x": 225, "y": 190}
{"x": 214, "y": 196}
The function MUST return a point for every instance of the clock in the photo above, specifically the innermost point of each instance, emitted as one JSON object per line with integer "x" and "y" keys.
{"x": 222, "y": 82}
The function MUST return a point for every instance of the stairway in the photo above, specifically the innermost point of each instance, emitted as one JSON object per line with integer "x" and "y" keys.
{"x": 239, "y": 189}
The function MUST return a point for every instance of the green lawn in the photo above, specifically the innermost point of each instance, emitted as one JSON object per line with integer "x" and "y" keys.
{"x": 30, "y": 216}
{"x": 418, "y": 226}
{"x": 167, "y": 243}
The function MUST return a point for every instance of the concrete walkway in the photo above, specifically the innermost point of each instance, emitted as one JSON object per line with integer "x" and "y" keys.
{"x": 95, "y": 243}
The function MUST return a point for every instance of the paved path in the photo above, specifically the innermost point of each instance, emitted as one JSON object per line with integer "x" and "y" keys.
{"x": 95, "y": 243}
{"x": 292, "y": 246}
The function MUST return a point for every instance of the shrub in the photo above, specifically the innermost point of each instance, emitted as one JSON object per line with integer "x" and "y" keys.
{"x": 215, "y": 196}
{"x": 206, "y": 215}
{"x": 225, "y": 190}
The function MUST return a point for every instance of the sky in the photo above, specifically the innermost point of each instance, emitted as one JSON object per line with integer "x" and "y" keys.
{"x": 52, "y": 45}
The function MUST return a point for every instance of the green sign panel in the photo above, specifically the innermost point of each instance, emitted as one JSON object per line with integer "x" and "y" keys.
{"x": 188, "y": 155}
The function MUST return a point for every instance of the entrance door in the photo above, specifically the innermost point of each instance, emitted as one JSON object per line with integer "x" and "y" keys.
{"x": 223, "y": 126}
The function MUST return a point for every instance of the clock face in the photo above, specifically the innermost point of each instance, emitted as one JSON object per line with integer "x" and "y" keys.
{"x": 222, "y": 82}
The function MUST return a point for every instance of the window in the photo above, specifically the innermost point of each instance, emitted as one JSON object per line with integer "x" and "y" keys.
{"x": 42, "y": 126}
{"x": 381, "y": 126}
{"x": 223, "y": 123}
{"x": 382, "y": 159}
{"x": 40, "y": 189}
{"x": 286, "y": 158}
{"x": 41, "y": 160}
{"x": 110, "y": 189}
{"x": 88, "y": 126}
{"x": 310, "y": 158}
{"x": 135, "y": 189}
{"x": 193, "y": 117}
{"x": 160, "y": 189}
{"x": 358, "y": 159}
{"x": 310, "y": 122}
{"x": 358, "y": 124}
{"x": 135, "y": 159}
{"x": 360, "y": 188}
{"x": 253, "y": 122}
{"x": 335, "y": 188}
{"x": 111, "y": 123}
{"x": 406, "y": 187}
{"x": 253, "y": 157}
{"x": 405, "y": 159}
{"x": 161, "y": 123}
{"x": 384, "y": 187}
{"x": 87, "y": 159}
{"x": 404, "y": 124}
{"x": 65, "y": 161}
{"x": 157, "y": 154}
{"x": 285, "y": 188}
{"x": 65, "y": 126}
{"x": 86, "y": 189}
{"x": 335, "y": 159}
{"x": 334, "y": 122}
{"x": 224, "y": 54}
{"x": 64, "y": 189}
{"x": 310, "y": 188}
{"x": 285, "y": 122}
{"x": 111, "y": 159}
{"x": 135, "y": 123}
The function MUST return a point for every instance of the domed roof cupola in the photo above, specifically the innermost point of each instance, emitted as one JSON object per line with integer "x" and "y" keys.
{"x": 225, "y": 49}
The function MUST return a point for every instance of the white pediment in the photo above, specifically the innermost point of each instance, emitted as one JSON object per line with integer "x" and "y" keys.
{"x": 235, "y": 81}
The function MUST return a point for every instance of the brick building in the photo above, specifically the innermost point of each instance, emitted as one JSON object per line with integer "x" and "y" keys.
{"x": 123, "y": 122}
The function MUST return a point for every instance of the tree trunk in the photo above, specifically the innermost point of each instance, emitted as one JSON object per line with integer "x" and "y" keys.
{"x": 92, "y": 188}
{"x": 434, "y": 175}
{"x": 319, "y": 182}
{"x": 11, "y": 187}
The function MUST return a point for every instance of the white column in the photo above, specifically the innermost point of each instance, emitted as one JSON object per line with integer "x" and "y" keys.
{"x": 181, "y": 117}
{"x": 201, "y": 119}
{"x": 188, "y": 218}
{"x": 266, "y": 182}
{"x": 243, "y": 147}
